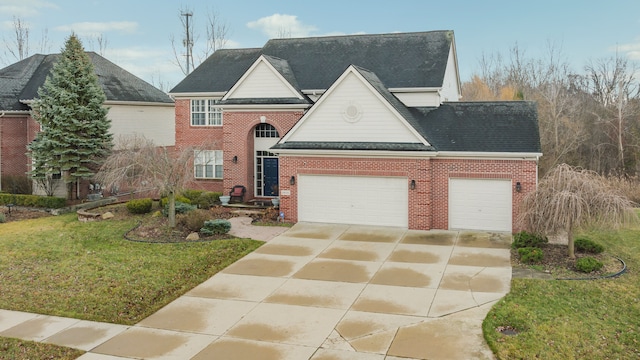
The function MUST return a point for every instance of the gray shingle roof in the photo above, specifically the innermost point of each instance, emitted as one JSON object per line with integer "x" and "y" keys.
{"x": 20, "y": 81}
{"x": 399, "y": 60}
{"x": 219, "y": 72}
{"x": 505, "y": 126}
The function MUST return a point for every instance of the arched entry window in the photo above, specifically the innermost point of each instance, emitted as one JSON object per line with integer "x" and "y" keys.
{"x": 266, "y": 162}
{"x": 266, "y": 131}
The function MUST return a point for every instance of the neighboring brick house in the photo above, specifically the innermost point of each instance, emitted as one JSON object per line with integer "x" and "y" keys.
{"x": 135, "y": 107}
{"x": 362, "y": 129}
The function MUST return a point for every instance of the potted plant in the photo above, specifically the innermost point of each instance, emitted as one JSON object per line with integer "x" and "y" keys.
{"x": 224, "y": 199}
{"x": 275, "y": 201}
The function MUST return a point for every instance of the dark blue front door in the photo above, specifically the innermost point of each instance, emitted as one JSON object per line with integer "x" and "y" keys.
{"x": 270, "y": 175}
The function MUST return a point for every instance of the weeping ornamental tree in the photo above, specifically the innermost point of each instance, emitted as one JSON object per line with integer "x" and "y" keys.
{"x": 137, "y": 164}
{"x": 570, "y": 199}
{"x": 74, "y": 136}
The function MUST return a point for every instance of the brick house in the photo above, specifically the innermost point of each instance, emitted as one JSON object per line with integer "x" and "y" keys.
{"x": 135, "y": 107}
{"x": 363, "y": 129}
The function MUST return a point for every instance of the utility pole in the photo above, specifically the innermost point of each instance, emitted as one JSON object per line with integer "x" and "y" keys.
{"x": 188, "y": 41}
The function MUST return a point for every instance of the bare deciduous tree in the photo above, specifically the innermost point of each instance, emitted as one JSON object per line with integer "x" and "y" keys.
{"x": 18, "y": 47}
{"x": 217, "y": 31}
{"x": 568, "y": 199}
{"x": 137, "y": 163}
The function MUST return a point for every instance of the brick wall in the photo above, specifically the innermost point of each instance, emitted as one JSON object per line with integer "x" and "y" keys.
{"x": 238, "y": 141}
{"x": 428, "y": 203}
{"x": 202, "y": 137}
{"x": 14, "y": 137}
{"x": 235, "y": 138}
{"x": 521, "y": 171}
{"x": 420, "y": 209}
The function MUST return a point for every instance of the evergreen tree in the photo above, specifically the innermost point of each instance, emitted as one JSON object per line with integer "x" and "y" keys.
{"x": 74, "y": 136}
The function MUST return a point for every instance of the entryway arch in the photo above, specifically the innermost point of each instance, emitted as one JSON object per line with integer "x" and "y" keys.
{"x": 266, "y": 169}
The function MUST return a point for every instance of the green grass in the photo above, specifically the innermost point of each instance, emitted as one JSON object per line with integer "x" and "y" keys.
{"x": 59, "y": 266}
{"x": 555, "y": 319}
{"x": 15, "y": 349}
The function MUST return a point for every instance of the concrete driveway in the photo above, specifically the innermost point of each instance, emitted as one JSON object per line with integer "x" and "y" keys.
{"x": 326, "y": 291}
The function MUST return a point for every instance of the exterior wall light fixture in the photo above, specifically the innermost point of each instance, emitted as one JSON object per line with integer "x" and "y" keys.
{"x": 292, "y": 180}
{"x": 235, "y": 159}
{"x": 518, "y": 186}
{"x": 413, "y": 185}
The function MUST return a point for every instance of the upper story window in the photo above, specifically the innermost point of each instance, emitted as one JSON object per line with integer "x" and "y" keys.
{"x": 205, "y": 112}
{"x": 266, "y": 131}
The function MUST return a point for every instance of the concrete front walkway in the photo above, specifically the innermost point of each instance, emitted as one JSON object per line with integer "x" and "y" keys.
{"x": 318, "y": 291}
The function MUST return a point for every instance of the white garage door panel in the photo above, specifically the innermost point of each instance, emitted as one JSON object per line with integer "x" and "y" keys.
{"x": 353, "y": 200}
{"x": 480, "y": 204}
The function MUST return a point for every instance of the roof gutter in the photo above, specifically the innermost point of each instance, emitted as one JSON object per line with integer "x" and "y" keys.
{"x": 355, "y": 153}
{"x": 489, "y": 155}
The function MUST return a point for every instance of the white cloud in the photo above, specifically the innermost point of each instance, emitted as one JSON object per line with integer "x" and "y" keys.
{"x": 98, "y": 28}
{"x": 282, "y": 25}
{"x": 24, "y": 8}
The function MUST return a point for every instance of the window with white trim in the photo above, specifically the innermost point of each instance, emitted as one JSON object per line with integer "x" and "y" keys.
{"x": 207, "y": 164}
{"x": 205, "y": 112}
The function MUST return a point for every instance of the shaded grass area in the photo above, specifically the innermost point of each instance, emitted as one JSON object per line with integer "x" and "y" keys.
{"x": 59, "y": 266}
{"x": 560, "y": 319}
{"x": 15, "y": 349}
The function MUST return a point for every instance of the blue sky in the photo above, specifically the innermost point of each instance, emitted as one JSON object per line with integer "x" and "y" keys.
{"x": 137, "y": 32}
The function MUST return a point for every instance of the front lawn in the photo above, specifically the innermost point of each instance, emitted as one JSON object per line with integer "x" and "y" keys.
{"x": 16, "y": 349}
{"x": 60, "y": 266}
{"x": 560, "y": 319}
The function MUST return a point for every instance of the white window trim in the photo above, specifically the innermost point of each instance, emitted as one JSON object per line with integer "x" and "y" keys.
{"x": 207, "y": 107}
{"x": 205, "y": 158}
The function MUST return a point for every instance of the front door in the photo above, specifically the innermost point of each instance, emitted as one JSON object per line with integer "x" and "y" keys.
{"x": 270, "y": 176}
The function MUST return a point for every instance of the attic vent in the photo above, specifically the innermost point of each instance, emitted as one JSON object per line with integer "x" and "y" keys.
{"x": 352, "y": 112}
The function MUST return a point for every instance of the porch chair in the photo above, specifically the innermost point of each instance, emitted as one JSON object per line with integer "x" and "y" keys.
{"x": 237, "y": 192}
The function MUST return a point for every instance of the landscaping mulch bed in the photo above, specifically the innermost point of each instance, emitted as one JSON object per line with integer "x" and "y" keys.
{"x": 22, "y": 213}
{"x": 557, "y": 263}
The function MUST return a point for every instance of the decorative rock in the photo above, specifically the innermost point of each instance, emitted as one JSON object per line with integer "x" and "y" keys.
{"x": 193, "y": 236}
{"x": 108, "y": 215}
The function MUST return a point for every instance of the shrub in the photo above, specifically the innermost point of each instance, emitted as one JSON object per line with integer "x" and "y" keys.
{"x": 17, "y": 184}
{"x": 50, "y": 202}
{"x": 525, "y": 239}
{"x": 193, "y": 220}
{"x": 207, "y": 199}
{"x": 2, "y": 218}
{"x": 216, "y": 227}
{"x": 139, "y": 206}
{"x": 588, "y": 264}
{"x": 588, "y": 246}
{"x": 165, "y": 200}
{"x": 192, "y": 195}
{"x": 181, "y": 208}
{"x": 530, "y": 255}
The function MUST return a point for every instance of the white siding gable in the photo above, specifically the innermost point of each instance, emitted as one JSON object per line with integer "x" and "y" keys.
{"x": 155, "y": 122}
{"x": 262, "y": 81}
{"x": 353, "y": 111}
{"x": 451, "y": 83}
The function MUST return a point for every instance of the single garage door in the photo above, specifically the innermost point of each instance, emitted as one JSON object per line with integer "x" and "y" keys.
{"x": 360, "y": 200}
{"x": 480, "y": 204}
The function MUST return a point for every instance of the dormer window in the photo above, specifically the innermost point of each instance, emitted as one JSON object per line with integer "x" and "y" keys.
{"x": 205, "y": 112}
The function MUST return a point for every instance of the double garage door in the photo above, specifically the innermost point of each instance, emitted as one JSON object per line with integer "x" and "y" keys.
{"x": 363, "y": 200}
{"x": 477, "y": 204}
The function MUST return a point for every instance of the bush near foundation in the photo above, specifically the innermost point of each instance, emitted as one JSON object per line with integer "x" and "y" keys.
{"x": 525, "y": 239}
{"x": 530, "y": 255}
